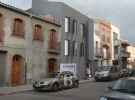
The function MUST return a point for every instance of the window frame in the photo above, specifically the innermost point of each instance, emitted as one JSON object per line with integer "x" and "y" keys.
{"x": 18, "y": 27}
{"x": 38, "y": 33}
{"x": 67, "y": 24}
{"x": 75, "y": 27}
{"x": 66, "y": 47}
{"x": 1, "y": 28}
{"x": 53, "y": 39}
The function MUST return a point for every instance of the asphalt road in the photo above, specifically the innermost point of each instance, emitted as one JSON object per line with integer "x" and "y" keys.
{"x": 86, "y": 91}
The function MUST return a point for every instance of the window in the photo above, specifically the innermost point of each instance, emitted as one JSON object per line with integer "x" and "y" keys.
{"x": 37, "y": 34}
{"x": 66, "y": 52}
{"x": 18, "y": 27}
{"x": 67, "y": 24}
{"x": 73, "y": 48}
{"x": 74, "y": 26}
{"x": 53, "y": 42}
{"x": 82, "y": 49}
{"x": 82, "y": 31}
{"x": 116, "y": 50}
{"x": 115, "y": 36}
{"x": 1, "y": 28}
{"x": 108, "y": 39}
{"x": 76, "y": 48}
{"x": 97, "y": 47}
{"x": 103, "y": 37}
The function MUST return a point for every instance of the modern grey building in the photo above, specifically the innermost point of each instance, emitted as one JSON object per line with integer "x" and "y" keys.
{"x": 74, "y": 33}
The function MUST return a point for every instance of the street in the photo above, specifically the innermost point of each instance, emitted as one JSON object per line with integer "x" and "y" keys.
{"x": 86, "y": 91}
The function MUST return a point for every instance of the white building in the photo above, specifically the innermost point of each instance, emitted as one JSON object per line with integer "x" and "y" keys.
{"x": 131, "y": 59}
{"x": 115, "y": 41}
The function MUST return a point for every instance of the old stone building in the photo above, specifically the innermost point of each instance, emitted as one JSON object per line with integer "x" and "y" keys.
{"x": 24, "y": 42}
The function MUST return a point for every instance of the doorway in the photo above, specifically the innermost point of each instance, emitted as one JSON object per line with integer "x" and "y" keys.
{"x": 17, "y": 70}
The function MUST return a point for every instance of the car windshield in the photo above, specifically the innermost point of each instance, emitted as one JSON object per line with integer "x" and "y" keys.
{"x": 104, "y": 68}
{"x": 54, "y": 75}
{"x": 127, "y": 86}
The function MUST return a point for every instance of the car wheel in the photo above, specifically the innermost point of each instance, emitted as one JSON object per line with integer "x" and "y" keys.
{"x": 76, "y": 84}
{"x": 55, "y": 87}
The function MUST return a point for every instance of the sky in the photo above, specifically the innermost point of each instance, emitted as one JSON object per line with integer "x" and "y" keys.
{"x": 120, "y": 12}
{"x": 23, "y": 4}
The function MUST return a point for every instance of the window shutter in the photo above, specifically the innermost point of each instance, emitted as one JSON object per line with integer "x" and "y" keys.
{"x": 1, "y": 28}
{"x": 53, "y": 39}
{"x": 38, "y": 34}
{"x": 18, "y": 27}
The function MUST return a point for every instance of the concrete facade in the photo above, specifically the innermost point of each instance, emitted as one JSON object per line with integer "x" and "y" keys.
{"x": 59, "y": 11}
{"x": 33, "y": 53}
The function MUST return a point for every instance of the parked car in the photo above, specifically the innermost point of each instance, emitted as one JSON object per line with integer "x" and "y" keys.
{"x": 61, "y": 80}
{"x": 124, "y": 72}
{"x": 107, "y": 73}
{"x": 132, "y": 72}
{"x": 123, "y": 89}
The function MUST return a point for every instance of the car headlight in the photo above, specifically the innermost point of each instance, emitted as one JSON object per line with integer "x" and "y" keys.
{"x": 106, "y": 74}
{"x": 103, "y": 98}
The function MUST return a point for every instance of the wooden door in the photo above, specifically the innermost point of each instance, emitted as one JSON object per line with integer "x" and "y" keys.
{"x": 51, "y": 65}
{"x": 16, "y": 70}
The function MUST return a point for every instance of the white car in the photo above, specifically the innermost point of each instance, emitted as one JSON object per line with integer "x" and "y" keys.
{"x": 62, "y": 80}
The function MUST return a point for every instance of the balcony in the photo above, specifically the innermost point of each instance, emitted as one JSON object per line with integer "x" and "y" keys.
{"x": 54, "y": 50}
{"x": 116, "y": 43}
{"x": 98, "y": 55}
{"x": 125, "y": 44}
{"x": 125, "y": 54}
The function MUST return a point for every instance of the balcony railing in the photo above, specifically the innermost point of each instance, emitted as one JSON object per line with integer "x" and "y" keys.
{"x": 125, "y": 54}
{"x": 54, "y": 50}
{"x": 116, "y": 43}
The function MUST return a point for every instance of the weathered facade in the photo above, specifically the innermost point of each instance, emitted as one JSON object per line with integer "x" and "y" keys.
{"x": 24, "y": 42}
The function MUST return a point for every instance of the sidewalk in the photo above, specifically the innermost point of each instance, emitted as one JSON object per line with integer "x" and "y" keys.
{"x": 13, "y": 90}
{"x": 18, "y": 89}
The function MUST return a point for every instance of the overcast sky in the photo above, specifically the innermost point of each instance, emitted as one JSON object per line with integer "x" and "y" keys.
{"x": 120, "y": 12}
{"x": 24, "y": 4}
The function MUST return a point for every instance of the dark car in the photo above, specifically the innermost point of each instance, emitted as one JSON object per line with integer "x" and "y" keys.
{"x": 123, "y": 89}
{"x": 132, "y": 72}
{"x": 124, "y": 72}
{"x": 58, "y": 81}
{"x": 107, "y": 73}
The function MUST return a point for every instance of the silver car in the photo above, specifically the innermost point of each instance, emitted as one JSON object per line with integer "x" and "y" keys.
{"x": 123, "y": 89}
{"x": 107, "y": 73}
{"x": 61, "y": 80}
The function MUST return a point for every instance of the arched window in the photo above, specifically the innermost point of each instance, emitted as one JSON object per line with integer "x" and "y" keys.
{"x": 38, "y": 34}
{"x": 18, "y": 27}
{"x": 1, "y": 28}
{"x": 53, "y": 39}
